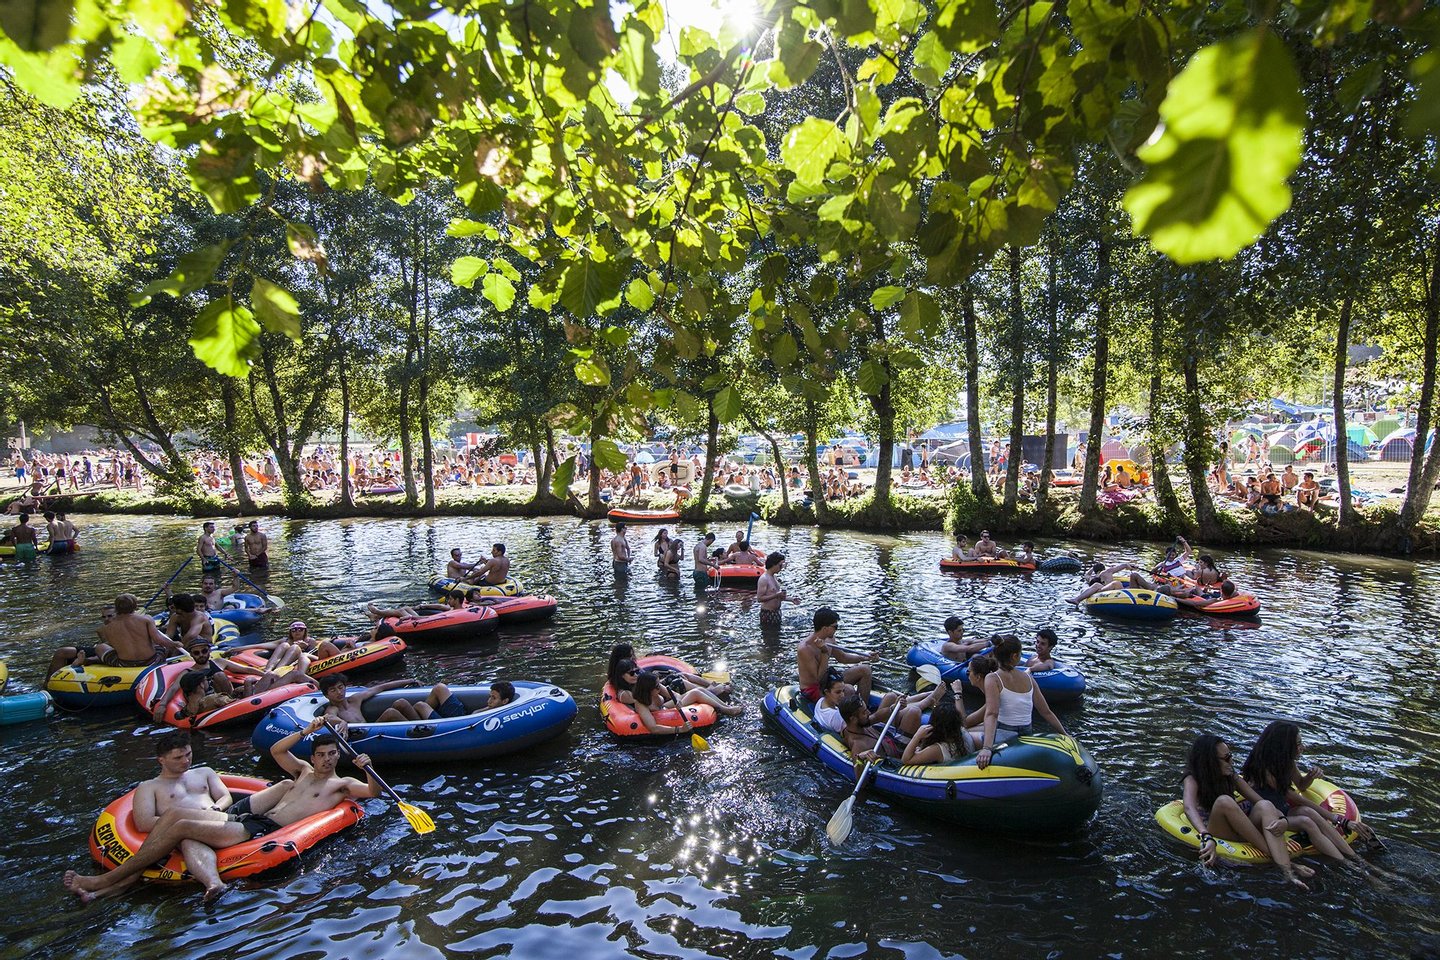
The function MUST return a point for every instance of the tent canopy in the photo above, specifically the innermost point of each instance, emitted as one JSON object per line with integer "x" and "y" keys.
{"x": 947, "y": 431}
{"x": 1277, "y": 404}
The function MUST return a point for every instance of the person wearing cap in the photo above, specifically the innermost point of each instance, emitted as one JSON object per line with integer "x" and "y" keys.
{"x": 1174, "y": 563}
{"x": 769, "y": 592}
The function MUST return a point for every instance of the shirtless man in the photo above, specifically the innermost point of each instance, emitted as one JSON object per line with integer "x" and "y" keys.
{"x": 207, "y": 549}
{"x": 315, "y": 789}
{"x": 131, "y": 639}
{"x": 257, "y": 546}
{"x": 345, "y": 708}
{"x": 1307, "y": 494}
{"x": 620, "y": 551}
{"x": 985, "y": 547}
{"x": 703, "y": 566}
{"x": 738, "y": 545}
{"x": 77, "y": 655}
{"x": 813, "y": 658}
{"x": 769, "y": 592}
{"x": 457, "y": 568}
{"x": 746, "y": 554}
{"x": 956, "y": 647}
{"x": 59, "y": 542}
{"x": 1027, "y": 554}
{"x": 180, "y": 786}
{"x": 493, "y": 572}
{"x": 962, "y": 551}
{"x": 451, "y": 601}
{"x": 214, "y": 594}
{"x": 189, "y": 621}
{"x": 862, "y": 726}
{"x": 22, "y": 535}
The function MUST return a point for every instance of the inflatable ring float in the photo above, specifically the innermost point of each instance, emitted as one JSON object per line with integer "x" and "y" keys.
{"x": 1172, "y": 819}
{"x": 1061, "y": 565}
{"x": 622, "y": 720}
{"x": 737, "y": 574}
{"x": 539, "y": 712}
{"x": 739, "y": 490}
{"x": 152, "y": 685}
{"x": 1130, "y": 604}
{"x": 1046, "y": 782}
{"x": 115, "y": 838}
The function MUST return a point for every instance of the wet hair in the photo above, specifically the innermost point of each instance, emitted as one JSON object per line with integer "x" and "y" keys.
{"x": 709, "y": 538}
{"x": 49, "y": 515}
{"x": 454, "y": 551}
{"x": 1049, "y": 636}
{"x": 324, "y": 740}
{"x": 620, "y": 525}
{"x": 825, "y": 617}
{"x": 774, "y": 560}
{"x": 983, "y": 664}
{"x": 1227, "y": 589}
{"x": 126, "y": 603}
{"x": 850, "y": 707}
{"x": 1007, "y": 647}
{"x": 947, "y": 726}
{"x": 505, "y": 688}
{"x": 183, "y": 602}
{"x": 1211, "y": 782}
{"x": 953, "y": 623}
{"x": 617, "y": 673}
{"x": 644, "y": 690}
{"x": 333, "y": 680}
{"x": 174, "y": 740}
{"x": 190, "y": 681}
{"x": 1273, "y": 757}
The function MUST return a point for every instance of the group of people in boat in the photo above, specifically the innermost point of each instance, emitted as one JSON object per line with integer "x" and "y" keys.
{"x": 1202, "y": 585}
{"x": 987, "y": 549}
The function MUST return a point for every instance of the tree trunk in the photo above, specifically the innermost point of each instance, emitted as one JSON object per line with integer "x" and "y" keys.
{"x": 885, "y": 415}
{"x": 1052, "y": 365}
{"x": 1198, "y": 446}
{"x": 1016, "y": 460}
{"x": 712, "y": 441}
{"x": 812, "y": 460}
{"x": 979, "y": 483}
{"x": 1424, "y": 470}
{"x": 279, "y": 438}
{"x": 1159, "y": 469}
{"x": 596, "y": 429}
{"x": 347, "y": 493}
{"x": 1094, "y": 443}
{"x": 544, "y": 471}
{"x": 779, "y": 461}
{"x": 1342, "y": 444}
{"x": 427, "y": 446}
{"x": 232, "y": 447}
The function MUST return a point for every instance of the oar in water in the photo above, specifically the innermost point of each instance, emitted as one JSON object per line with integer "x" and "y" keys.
{"x": 167, "y": 582}
{"x": 418, "y": 819}
{"x": 275, "y": 602}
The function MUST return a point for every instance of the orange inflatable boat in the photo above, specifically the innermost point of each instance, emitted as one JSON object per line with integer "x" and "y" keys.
{"x": 623, "y": 721}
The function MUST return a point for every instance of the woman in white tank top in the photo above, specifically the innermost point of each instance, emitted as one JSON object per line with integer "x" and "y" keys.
{"x": 1010, "y": 697}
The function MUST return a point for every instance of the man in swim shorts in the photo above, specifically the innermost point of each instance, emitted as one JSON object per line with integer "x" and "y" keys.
{"x": 813, "y": 657}
{"x": 702, "y": 567}
{"x": 207, "y": 549}
{"x": 257, "y": 546}
{"x": 22, "y": 536}
{"x": 131, "y": 639}
{"x": 769, "y": 592}
{"x": 314, "y": 789}
{"x": 620, "y": 552}
{"x": 346, "y": 708}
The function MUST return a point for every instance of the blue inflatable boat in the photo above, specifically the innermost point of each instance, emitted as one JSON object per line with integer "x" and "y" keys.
{"x": 1060, "y": 685}
{"x": 539, "y": 712}
{"x": 242, "y": 609}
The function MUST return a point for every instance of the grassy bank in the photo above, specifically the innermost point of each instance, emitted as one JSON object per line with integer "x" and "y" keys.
{"x": 1060, "y": 519}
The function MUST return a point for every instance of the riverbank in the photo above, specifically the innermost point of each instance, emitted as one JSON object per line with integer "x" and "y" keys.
{"x": 956, "y": 509}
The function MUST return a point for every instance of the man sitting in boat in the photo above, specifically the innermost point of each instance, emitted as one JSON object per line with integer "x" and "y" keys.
{"x": 956, "y": 647}
{"x": 1174, "y": 563}
{"x": 78, "y": 655}
{"x": 962, "y": 551}
{"x": 346, "y": 709}
{"x": 813, "y": 658}
{"x": 985, "y": 547}
{"x": 1200, "y": 599}
{"x": 493, "y": 572}
{"x": 457, "y": 568}
{"x": 131, "y": 639}
{"x": 745, "y": 554}
{"x": 314, "y": 789}
{"x": 863, "y": 726}
{"x": 1045, "y": 642}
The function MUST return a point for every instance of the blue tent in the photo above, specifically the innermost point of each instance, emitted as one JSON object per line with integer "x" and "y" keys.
{"x": 1277, "y": 404}
{"x": 946, "y": 432}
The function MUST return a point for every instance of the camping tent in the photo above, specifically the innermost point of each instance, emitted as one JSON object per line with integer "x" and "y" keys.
{"x": 1383, "y": 428}
{"x": 1361, "y": 434}
{"x": 946, "y": 432}
{"x": 1280, "y": 454}
{"x": 1281, "y": 406}
{"x": 1111, "y": 449}
{"x": 1397, "y": 449}
{"x": 1353, "y": 451}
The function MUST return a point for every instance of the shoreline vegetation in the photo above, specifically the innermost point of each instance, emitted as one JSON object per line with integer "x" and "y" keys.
{"x": 1371, "y": 532}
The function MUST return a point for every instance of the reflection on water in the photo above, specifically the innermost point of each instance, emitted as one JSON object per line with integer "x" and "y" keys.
{"x": 590, "y": 847}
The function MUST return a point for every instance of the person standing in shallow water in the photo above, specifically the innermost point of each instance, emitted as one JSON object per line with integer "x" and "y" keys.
{"x": 257, "y": 546}
{"x": 620, "y": 552}
{"x": 769, "y": 592}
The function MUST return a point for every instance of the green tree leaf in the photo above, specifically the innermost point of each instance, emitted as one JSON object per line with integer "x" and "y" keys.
{"x": 587, "y": 284}
{"x": 275, "y": 308}
{"x": 36, "y": 25}
{"x": 784, "y": 352}
{"x": 609, "y": 456}
{"x": 593, "y": 371}
{"x": 919, "y": 313}
{"x": 727, "y": 404}
{"x": 872, "y": 377}
{"x": 466, "y": 270}
{"x": 639, "y": 295}
{"x": 564, "y": 476}
{"x": 499, "y": 290}
{"x": 1234, "y": 130}
{"x": 192, "y": 272}
{"x": 886, "y": 297}
{"x": 225, "y": 337}
{"x": 809, "y": 148}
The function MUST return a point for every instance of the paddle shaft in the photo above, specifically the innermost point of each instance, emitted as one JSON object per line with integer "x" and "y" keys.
{"x": 167, "y": 582}
{"x": 898, "y": 664}
{"x": 370, "y": 770}
{"x": 879, "y": 744}
{"x": 242, "y": 576}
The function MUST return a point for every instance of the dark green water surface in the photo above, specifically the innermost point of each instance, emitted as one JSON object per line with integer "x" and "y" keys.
{"x": 588, "y": 847}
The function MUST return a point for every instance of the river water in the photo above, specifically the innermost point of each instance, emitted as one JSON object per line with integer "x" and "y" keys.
{"x": 588, "y": 847}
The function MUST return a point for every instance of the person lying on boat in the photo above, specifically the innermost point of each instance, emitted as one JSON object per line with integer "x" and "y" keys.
{"x": 446, "y": 705}
{"x": 1208, "y": 791}
{"x": 1100, "y": 579}
{"x": 677, "y": 680}
{"x": 961, "y": 551}
{"x": 379, "y": 614}
{"x": 1272, "y": 770}
{"x": 78, "y": 654}
{"x": 345, "y": 707}
{"x": 650, "y": 695}
{"x": 287, "y": 654}
{"x": 813, "y": 658}
{"x": 944, "y": 738}
{"x": 314, "y": 789}
{"x": 206, "y": 685}
{"x": 627, "y": 674}
{"x": 1044, "y": 658}
{"x": 1011, "y": 697}
{"x": 863, "y": 726}
{"x": 956, "y": 647}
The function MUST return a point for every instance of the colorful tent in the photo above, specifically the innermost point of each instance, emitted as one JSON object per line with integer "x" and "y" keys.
{"x": 1280, "y": 454}
{"x": 1383, "y": 428}
{"x": 1111, "y": 449}
{"x": 1361, "y": 434}
{"x": 1397, "y": 449}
